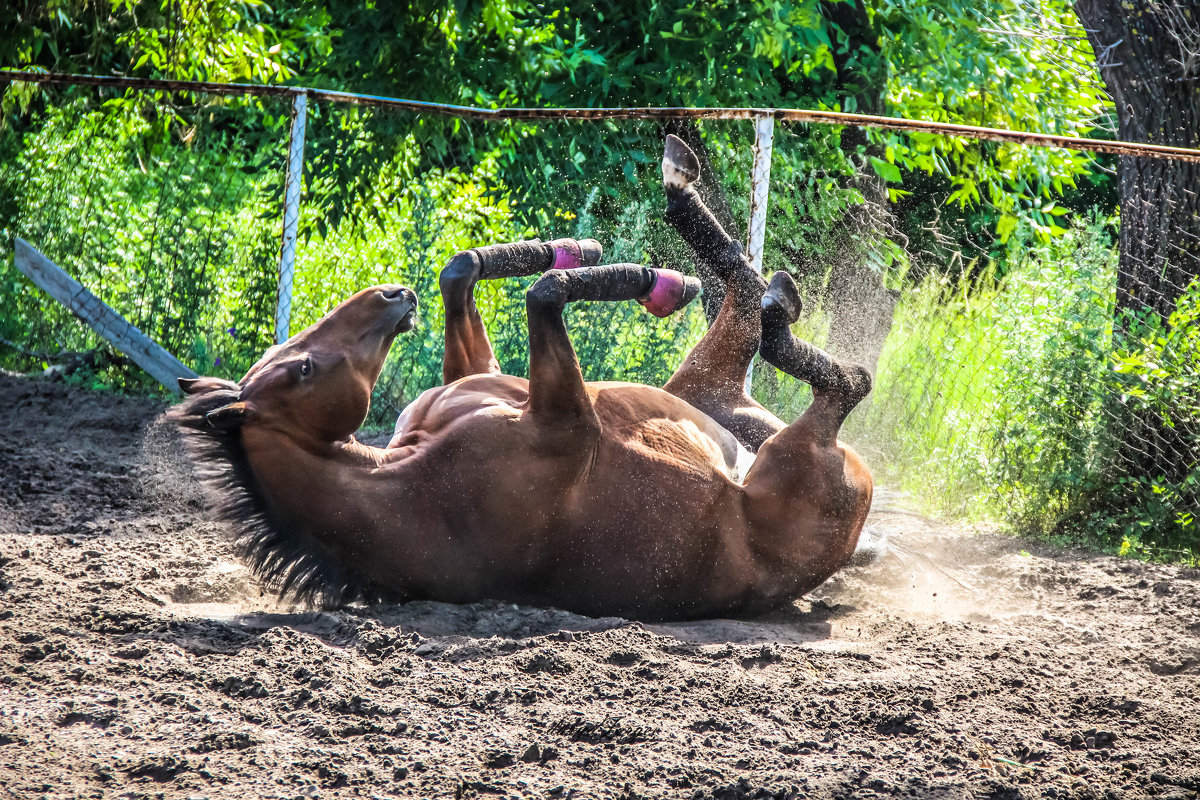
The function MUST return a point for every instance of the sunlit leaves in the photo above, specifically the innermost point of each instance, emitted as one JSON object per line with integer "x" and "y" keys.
{"x": 999, "y": 63}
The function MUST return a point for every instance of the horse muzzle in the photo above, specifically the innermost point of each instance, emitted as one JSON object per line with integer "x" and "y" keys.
{"x": 404, "y": 302}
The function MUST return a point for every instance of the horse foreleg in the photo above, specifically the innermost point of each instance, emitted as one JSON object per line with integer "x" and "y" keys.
{"x": 712, "y": 376}
{"x": 468, "y": 350}
{"x": 556, "y": 386}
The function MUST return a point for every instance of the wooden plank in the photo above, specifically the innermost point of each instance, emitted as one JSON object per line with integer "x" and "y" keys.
{"x": 144, "y": 351}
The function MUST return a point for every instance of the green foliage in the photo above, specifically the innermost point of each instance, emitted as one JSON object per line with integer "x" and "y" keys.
{"x": 1001, "y": 64}
{"x": 1015, "y": 393}
{"x": 170, "y": 221}
{"x": 1155, "y": 378}
{"x": 232, "y": 40}
{"x": 168, "y": 231}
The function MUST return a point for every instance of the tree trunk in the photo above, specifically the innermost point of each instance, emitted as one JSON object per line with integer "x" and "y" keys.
{"x": 1149, "y": 57}
{"x": 1148, "y": 54}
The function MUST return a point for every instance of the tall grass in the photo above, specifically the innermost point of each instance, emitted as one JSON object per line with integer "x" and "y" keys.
{"x": 1012, "y": 397}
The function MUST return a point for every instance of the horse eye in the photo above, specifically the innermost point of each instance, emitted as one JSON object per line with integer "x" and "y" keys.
{"x": 306, "y": 367}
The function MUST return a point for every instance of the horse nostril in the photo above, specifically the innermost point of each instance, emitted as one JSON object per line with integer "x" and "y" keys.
{"x": 399, "y": 292}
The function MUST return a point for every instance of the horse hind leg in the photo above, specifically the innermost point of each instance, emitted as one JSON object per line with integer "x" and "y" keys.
{"x": 712, "y": 376}
{"x": 838, "y": 386}
{"x": 695, "y": 223}
{"x": 468, "y": 350}
{"x": 807, "y": 494}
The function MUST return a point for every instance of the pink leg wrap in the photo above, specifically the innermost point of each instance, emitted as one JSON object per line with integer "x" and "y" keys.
{"x": 666, "y": 295}
{"x": 575, "y": 253}
{"x": 567, "y": 254}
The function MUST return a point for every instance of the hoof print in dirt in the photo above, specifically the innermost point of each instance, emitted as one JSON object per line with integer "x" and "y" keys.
{"x": 617, "y": 730}
{"x": 547, "y": 660}
{"x": 213, "y": 742}
{"x": 539, "y": 755}
{"x": 157, "y": 768}
{"x": 498, "y": 759}
{"x": 96, "y": 718}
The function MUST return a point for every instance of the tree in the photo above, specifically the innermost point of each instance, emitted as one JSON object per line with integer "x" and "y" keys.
{"x": 236, "y": 40}
{"x": 1148, "y": 52}
{"x": 996, "y": 63}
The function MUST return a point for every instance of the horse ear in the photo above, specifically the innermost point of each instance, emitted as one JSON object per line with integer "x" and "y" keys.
{"x": 228, "y": 417}
{"x": 201, "y": 385}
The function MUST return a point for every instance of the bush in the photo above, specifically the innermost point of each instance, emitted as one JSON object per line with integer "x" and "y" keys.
{"x": 1016, "y": 396}
{"x": 167, "y": 228}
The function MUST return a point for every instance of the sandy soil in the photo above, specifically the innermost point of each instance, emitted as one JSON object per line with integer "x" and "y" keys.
{"x": 137, "y": 659}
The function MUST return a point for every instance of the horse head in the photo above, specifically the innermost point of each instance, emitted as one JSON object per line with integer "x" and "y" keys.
{"x": 311, "y": 392}
{"x": 316, "y": 386}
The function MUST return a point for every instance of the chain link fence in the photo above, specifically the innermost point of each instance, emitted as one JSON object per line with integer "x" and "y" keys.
{"x": 1009, "y": 371}
{"x": 164, "y": 206}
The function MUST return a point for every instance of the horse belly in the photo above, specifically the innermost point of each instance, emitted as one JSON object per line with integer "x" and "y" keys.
{"x": 653, "y": 538}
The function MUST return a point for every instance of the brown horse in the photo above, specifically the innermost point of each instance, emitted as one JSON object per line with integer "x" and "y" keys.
{"x": 601, "y": 498}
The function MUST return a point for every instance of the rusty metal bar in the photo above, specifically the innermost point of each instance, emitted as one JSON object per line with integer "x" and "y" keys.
{"x": 785, "y": 114}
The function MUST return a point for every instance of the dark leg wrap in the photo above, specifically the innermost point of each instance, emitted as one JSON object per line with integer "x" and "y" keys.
{"x": 515, "y": 259}
{"x": 610, "y": 282}
{"x": 534, "y": 256}
{"x": 813, "y": 365}
{"x": 688, "y": 215}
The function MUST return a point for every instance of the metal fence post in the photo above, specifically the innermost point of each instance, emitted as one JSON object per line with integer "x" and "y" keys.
{"x": 760, "y": 187}
{"x": 291, "y": 216}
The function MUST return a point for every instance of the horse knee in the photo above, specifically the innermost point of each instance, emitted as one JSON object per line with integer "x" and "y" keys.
{"x": 549, "y": 292}
{"x": 860, "y": 383}
{"x": 850, "y": 383}
{"x": 459, "y": 274}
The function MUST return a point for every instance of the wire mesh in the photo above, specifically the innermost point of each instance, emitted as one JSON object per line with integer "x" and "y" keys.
{"x": 1056, "y": 376}
{"x": 1059, "y": 375}
{"x": 164, "y": 206}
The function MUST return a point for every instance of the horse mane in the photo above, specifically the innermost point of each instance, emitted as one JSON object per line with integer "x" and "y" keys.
{"x": 292, "y": 562}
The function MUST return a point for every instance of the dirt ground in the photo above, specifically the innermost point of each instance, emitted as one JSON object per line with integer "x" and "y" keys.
{"x": 138, "y": 659}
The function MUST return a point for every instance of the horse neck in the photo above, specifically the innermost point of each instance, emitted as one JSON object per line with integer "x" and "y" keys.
{"x": 324, "y": 490}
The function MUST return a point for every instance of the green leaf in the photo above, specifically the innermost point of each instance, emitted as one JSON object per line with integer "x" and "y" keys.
{"x": 889, "y": 172}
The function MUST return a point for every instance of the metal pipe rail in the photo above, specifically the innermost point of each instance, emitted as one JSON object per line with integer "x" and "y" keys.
{"x": 471, "y": 112}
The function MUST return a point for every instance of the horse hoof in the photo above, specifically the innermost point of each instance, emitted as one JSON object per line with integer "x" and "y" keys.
{"x": 575, "y": 253}
{"x": 680, "y": 167}
{"x": 670, "y": 292}
{"x": 781, "y": 303}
